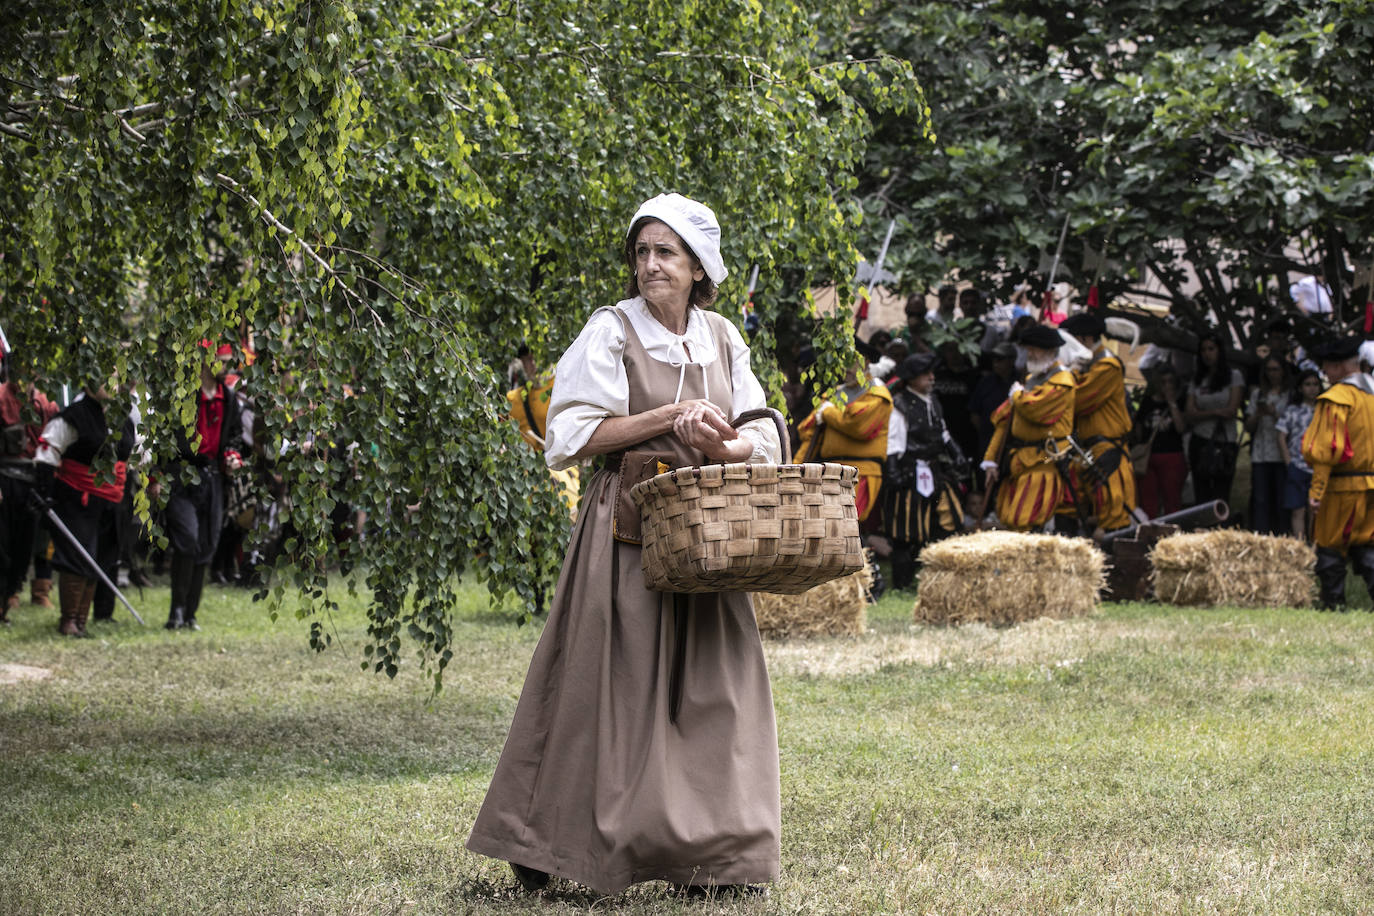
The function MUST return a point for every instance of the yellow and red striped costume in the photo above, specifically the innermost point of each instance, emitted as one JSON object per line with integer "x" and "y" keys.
{"x": 529, "y": 407}
{"x": 1101, "y": 424}
{"x": 856, "y": 435}
{"x": 1033, "y": 487}
{"x": 1339, "y": 445}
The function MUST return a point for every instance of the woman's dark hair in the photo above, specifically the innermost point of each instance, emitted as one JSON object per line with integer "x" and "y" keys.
{"x": 1264, "y": 384}
{"x": 1295, "y": 396}
{"x": 1215, "y": 378}
{"x": 703, "y": 293}
{"x": 1154, "y": 384}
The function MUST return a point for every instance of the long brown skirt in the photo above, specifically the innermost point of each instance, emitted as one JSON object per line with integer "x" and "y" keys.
{"x": 595, "y": 784}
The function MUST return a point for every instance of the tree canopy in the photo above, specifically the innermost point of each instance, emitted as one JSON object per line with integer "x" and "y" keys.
{"x": 1217, "y": 142}
{"x": 388, "y": 198}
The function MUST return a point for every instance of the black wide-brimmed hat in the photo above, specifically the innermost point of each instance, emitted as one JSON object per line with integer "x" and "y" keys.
{"x": 1040, "y": 337}
{"x": 914, "y": 365}
{"x": 1084, "y": 324}
{"x": 1337, "y": 350}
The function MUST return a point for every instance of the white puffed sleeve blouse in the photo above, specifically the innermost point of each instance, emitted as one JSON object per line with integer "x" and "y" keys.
{"x": 591, "y": 384}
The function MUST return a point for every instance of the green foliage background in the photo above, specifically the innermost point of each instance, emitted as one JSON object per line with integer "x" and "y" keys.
{"x": 389, "y": 197}
{"x": 1212, "y": 147}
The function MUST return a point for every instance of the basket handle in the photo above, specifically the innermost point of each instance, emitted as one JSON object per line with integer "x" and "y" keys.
{"x": 783, "y": 439}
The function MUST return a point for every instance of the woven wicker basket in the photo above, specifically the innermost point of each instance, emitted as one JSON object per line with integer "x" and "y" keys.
{"x": 779, "y": 528}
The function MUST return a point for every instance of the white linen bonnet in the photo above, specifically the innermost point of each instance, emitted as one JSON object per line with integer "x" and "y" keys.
{"x": 695, "y": 224}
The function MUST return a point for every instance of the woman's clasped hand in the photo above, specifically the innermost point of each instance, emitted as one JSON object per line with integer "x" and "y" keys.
{"x": 702, "y": 425}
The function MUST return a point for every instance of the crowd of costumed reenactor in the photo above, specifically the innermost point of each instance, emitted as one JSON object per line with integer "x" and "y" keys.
{"x": 971, "y": 415}
{"x": 1025, "y": 416}
{"x": 69, "y": 469}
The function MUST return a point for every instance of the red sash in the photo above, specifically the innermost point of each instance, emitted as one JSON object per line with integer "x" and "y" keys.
{"x": 79, "y": 476}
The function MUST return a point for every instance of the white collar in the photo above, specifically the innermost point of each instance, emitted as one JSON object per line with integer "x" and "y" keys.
{"x": 665, "y": 346}
{"x": 1360, "y": 380}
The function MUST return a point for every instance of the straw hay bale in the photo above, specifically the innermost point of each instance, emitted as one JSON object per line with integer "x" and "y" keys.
{"x": 1004, "y": 577}
{"x": 835, "y": 608}
{"x": 1239, "y": 568}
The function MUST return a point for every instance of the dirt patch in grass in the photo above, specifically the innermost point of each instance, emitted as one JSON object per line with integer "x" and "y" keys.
{"x": 13, "y": 674}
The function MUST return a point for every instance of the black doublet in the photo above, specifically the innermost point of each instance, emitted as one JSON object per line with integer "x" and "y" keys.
{"x": 89, "y": 519}
{"x": 926, "y": 434}
{"x": 87, "y": 418}
{"x": 910, "y": 519}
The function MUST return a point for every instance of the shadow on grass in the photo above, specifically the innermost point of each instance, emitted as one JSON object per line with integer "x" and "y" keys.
{"x": 649, "y": 897}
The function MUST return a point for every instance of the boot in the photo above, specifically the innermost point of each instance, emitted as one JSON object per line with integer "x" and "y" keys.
{"x": 531, "y": 879}
{"x": 70, "y": 589}
{"x": 1331, "y": 578}
{"x": 903, "y": 566}
{"x": 102, "y": 608}
{"x": 1363, "y": 561}
{"x": 193, "y": 595}
{"x": 181, "y": 585}
{"x": 83, "y": 609}
{"x": 39, "y": 589}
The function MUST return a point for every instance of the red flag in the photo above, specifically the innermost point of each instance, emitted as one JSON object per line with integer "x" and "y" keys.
{"x": 862, "y": 313}
{"x": 1368, "y": 317}
{"x": 1092, "y": 297}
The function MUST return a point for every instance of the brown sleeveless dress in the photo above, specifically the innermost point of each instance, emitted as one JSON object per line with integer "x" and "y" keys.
{"x": 595, "y": 784}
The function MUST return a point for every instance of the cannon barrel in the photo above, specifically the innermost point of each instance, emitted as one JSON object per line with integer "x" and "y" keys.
{"x": 1203, "y": 515}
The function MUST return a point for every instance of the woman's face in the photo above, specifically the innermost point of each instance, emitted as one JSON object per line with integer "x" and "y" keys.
{"x": 1273, "y": 373}
{"x": 1311, "y": 387}
{"x": 664, "y": 268}
{"x": 1209, "y": 352}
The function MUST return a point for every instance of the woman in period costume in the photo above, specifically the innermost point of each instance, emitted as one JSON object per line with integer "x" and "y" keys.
{"x": 609, "y": 777}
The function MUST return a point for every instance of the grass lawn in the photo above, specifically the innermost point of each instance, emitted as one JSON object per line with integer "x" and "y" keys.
{"x": 1145, "y": 759}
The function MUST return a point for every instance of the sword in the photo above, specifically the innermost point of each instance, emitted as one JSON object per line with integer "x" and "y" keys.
{"x": 1059, "y": 250}
{"x": 81, "y": 551}
{"x": 748, "y": 305}
{"x": 882, "y": 253}
{"x": 1047, "y": 302}
{"x": 875, "y": 277}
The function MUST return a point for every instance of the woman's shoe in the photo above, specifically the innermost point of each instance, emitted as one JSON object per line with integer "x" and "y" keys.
{"x": 531, "y": 879}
